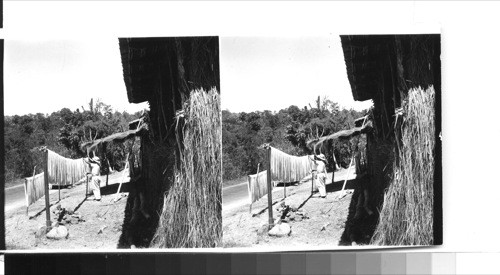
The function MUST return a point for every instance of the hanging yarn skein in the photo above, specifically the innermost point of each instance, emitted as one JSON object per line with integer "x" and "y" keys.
{"x": 65, "y": 171}
{"x": 288, "y": 168}
{"x": 257, "y": 186}
{"x": 34, "y": 188}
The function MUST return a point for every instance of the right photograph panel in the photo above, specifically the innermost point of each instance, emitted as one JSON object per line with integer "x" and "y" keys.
{"x": 331, "y": 141}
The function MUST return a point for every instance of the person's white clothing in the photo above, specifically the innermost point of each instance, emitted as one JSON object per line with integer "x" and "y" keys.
{"x": 320, "y": 178}
{"x": 94, "y": 180}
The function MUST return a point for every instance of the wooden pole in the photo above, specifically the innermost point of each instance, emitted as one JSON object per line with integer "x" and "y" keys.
{"x": 121, "y": 181}
{"x": 313, "y": 174}
{"x": 104, "y": 149}
{"x": 269, "y": 189}
{"x": 334, "y": 162}
{"x": 46, "y": 186}
{"x": 346, "y": 178}
{"x": 59, "y": 189}
{"x": 87, "y": 186}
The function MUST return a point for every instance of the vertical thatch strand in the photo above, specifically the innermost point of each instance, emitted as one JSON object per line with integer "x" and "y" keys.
{"x": 406, "y": 217}
{"x": 192, "y": 207}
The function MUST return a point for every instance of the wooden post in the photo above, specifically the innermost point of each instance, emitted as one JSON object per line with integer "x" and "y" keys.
{"x": 313, "y": 174}
{"x": 269, "y": 189}
{"x": 46, "y": 186}
{"x": 59, "y": 188}
{"x": 346, "y": 178}
{"x": 122, "y": 178}
{"x": 104, "y": 149}
{"x": 87, "y": 186}
{"x": 250, "y": 192}
{"x": 107, "y": 177}
{"x": 334, "y": 162}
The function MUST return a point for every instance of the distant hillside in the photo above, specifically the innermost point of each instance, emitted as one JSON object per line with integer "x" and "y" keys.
{"x": 62, "y": 131}
{"x": 288, "y": 130}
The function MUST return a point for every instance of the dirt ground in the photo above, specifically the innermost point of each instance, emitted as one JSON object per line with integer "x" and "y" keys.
{"x": 324, "y": 225}
{"x": 99, "y": 225}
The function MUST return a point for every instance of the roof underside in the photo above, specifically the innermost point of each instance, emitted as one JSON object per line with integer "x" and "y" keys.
{"x": 364, "y": 56}
{"x": 140, "y": 61}
{"x": 148, "y": 62}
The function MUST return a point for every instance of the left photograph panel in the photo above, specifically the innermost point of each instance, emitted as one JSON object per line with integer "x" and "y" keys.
{"x": 112, "y": 144}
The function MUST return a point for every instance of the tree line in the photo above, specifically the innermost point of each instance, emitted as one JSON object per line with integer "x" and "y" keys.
{"x": 288, "y": 130}
{"x": 63, "y": 132}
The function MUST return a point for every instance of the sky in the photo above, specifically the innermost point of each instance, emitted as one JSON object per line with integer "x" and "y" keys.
{"x": 44, "y": 76}
{"x": 272, "y": 73}
{"x": 257, "y": 73}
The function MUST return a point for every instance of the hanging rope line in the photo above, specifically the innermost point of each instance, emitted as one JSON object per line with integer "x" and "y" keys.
{"x": 65, "y": 171}
{"x": 288, "y": 168}
{"x": 33, "y": 188}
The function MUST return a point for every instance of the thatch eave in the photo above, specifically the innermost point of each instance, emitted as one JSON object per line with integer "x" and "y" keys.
{"x": 116, "y": 137}
{"x": 342, "y": 135}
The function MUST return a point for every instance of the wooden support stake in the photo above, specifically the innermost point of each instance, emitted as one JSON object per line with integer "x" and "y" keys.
{"x": 313, "y": 174}
{"x": 121, "y": 181}
{"x": 104, "y": 149}
{"x": 269, "y": 189}
{"x": 46, "y": 186}
{"x": 346, "y": 177}
{"x": 87, "y": 186}
{"x": 334, "y": 163}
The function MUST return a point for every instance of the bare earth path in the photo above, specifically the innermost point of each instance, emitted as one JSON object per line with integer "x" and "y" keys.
{"x": 100, "y": 227}
{"x": 323, "y": 227}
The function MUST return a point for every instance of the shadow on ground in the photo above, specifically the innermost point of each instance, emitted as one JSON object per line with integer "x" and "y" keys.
{"x": 360, "y": 229}
{"x": 136, "y": 229}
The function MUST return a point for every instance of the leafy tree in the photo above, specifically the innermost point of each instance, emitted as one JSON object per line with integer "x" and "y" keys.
{"x": 288, "y": 129}
{"x": 62, "y": 131}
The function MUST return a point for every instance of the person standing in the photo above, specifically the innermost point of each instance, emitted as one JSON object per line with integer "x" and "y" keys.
{"x": 95, "y": 171}
{"x": 321, "y": 174}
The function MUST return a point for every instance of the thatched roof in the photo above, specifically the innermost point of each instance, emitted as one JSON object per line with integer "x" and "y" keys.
{"x": 363, "y": 55}
{"x": 149, "y": 63}
{"x": 117, "y": 137}
{"x": 344, "y": 134}
{"x": 372, "y": 60}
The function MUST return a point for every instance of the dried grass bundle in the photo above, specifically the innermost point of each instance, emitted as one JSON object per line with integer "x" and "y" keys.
{"x": 407, "y": 213}
{"x": 191, "y": 215}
